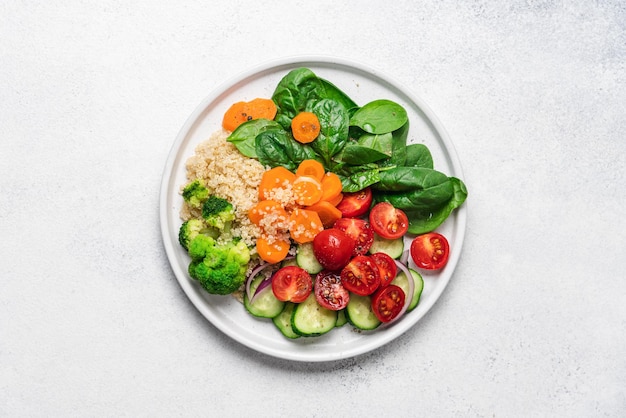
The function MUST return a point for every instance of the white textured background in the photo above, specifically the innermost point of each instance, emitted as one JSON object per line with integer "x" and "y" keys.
{"x": 92, "y": 320}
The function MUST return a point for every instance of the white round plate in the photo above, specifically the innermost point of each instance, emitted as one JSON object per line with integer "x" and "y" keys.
{"x": 362, "y": 84}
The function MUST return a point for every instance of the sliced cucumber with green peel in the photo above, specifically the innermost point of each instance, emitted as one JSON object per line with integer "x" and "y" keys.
{"x": 265, "y": 305}
{"x": 309, "y": 319}
{"x": 359, "y": 312}
{"x": 341, "y": 318}
{"x": 306, "y": 259}
{"x": 402, "y": 282}
{"x": 283, "y": 321}
{"x": 392, "y": 247}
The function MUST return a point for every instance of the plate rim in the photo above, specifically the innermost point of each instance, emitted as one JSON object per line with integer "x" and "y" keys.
{"x": 460, "y": 213}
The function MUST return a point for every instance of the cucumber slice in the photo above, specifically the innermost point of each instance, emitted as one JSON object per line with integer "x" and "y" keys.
{"x": 392, "y": 247}
{"x": 309, "y": 319}
{"x": 359, "y": 312}
{"x": 306, "y": 259}
{"x": 283, "y": 321}
{"x": 289, "y": 262}
{"x": 402, "y": 282}
{"x": 265, "y": 305}
{"x": 341, "y": 318}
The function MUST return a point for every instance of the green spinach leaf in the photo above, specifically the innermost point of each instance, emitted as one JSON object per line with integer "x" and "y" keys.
{"x": 333, "y": 134}
{"x": 421, "y": 222}
{"x": 355, "y": 178}
{"x": 418, "y": 155}
{"x": 244, "y": 136}
{"x": 379, "y": 117}
{"x": 276, "y": 147}
{"x": 333, "y": 92}
{"x": 293, "y": 92}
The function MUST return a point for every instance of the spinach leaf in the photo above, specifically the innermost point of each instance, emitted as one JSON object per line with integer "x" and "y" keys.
{"x": 276, "y": 147}
{"x": 421, "y": 222}
{"x": 397, "y": 179}
{"x": 413, "y": 189}
{"x": 355, "y": 178}
{"x": 379, "y": 117}
{"x": 333, "y": 92}
{"x": 243, "y": 136}
{"x": 398, "y": 144}
{"x": 418, "y": 155}
{"x": 293, "y": 92}
{"x": 333, "y": 134}
{"x": 357, "y": 154}
{"x": 381, "y": 143}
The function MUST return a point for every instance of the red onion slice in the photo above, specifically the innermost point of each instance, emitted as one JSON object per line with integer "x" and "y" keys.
{"x": 262, "y": 286}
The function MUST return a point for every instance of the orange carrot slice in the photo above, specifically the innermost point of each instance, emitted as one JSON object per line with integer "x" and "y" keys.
{"x": 241, "y": 112}
{"x": 307, "y": 190}
{"x": 268, "y": 210}
{"x": 272, "y": 251}
{"x": 331, "y": 187}
{"x": 336, "y": 200}
{"x": 327, "y": 212}
{"x": 305, "y": 225}
{"x": 275, "y": 178}
{"x": 311, "y": 168}
{"x": 305, "y": 127}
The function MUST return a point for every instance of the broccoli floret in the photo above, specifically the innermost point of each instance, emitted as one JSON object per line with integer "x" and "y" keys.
{"x": 218, "y": 212}
{"x": 195, "y": 193}
{"x": 219, "y": 268}
{"x": 189, "y": 230}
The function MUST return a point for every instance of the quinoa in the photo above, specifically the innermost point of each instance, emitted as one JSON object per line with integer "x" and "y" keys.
{"x": 230, "y": 175}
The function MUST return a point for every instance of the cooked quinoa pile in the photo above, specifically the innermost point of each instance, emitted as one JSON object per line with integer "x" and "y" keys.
{"x": 229, "y": 175}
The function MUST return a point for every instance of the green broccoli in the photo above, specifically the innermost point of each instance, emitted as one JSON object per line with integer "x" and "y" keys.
{"x": 195, "y": 193}
{"x": 219, "y": 268}
{"x": 191, "y": 228}
{"x": 218, "y": 212}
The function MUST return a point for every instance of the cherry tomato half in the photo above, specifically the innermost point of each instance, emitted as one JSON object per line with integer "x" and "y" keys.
{"x": 387, "y": 221}
{"x": 430, "y": 251}
{"x": 355, "y": 204}
{"x": 329, "y": 292}
{"x": 361, "y": 275}
{"x": 388, "y": 302}
{"x": 386, "y": 267}
{"x": 333, "y": 248}
{"x": 359, "y": 230}
{"x": 292, "y": 283}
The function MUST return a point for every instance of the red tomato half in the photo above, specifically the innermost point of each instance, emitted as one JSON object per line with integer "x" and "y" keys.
{"x": 361, "y": 275}
{"x": 292, "y": 283}
{"x": 386, "y": 267}
{"x": 359, "y": 230}
{"x": 430, "y": 251}
{"x": 329, "y": 292}
{"x": 355, "y": 204}
{"x": 387, "y": 221}
{"x": 388, "y": 302}
{"x": 333, "y": 248}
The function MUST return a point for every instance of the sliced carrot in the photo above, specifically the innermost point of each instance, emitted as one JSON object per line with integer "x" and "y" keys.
{"x": 275, "y": 178}
{"x": 305, "y": 127}
{"x": 267, "y": 209}
{"x": 307, "y": 190}
{"x": 311, "y": 168}
{"x": 327, "y": 212}
{"x": 272, "y": 251}
{"x": 241, "y": 112}
{"x": 336, "y": 200}
{"x": 305, "y": 225}
{"x": 331, "y": 186}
